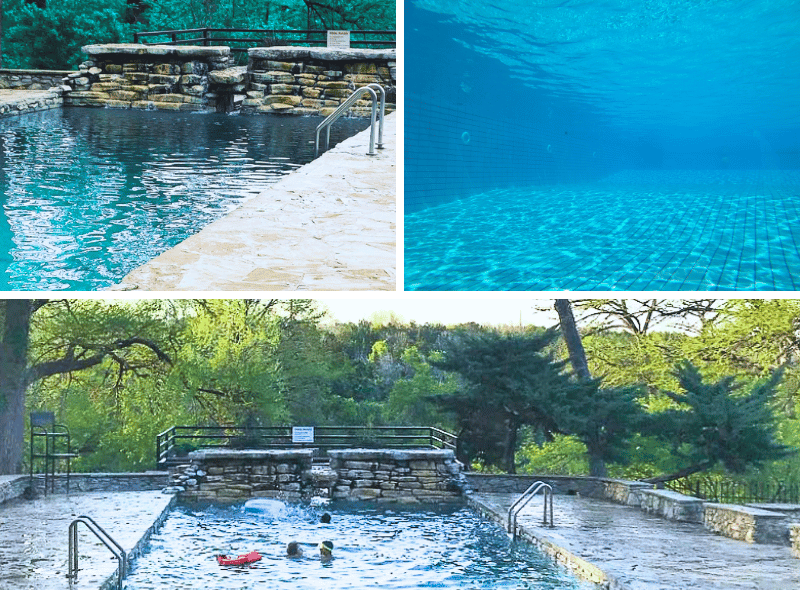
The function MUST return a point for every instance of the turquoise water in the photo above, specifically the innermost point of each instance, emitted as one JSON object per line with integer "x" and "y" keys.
{"x": 374, "y": 548}
{"x": 611, "y": 145}
{"x": 88, "y": 195}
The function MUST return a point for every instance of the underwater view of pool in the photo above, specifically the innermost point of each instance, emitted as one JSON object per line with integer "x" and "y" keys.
{"x": 387, "y": 547}
{"x": 90, "y": 194}
{"x": 611, "y": 145}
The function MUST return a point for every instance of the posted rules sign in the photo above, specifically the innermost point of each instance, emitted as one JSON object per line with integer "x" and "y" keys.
{"x": 302, "y": 435}
{"x": 338, "y": 39}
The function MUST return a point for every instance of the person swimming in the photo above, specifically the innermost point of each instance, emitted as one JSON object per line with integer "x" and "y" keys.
{"x": 326, "y": 518}
{"x": 293, "y": 550}
{"x": 325, "y": 551}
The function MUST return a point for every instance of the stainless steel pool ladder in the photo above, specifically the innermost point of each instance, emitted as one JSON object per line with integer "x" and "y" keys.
{"x": 102, "y": 535}
{"x": 526, "y": 497}
{"x": 354, "y": 97}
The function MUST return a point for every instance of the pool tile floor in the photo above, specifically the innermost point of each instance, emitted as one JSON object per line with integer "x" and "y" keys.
{"x": 691, "y": 231}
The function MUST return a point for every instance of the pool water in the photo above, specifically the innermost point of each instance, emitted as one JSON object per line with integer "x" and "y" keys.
{"x": 374, "y": 547}
{"x": 608, "y": 145}
{"x": 90, "y": 194}
{"x": 714, "y": 230}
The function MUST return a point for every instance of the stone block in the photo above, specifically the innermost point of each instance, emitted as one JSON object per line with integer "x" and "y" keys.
{"x": 305, "y": 80}
{"x": 365, "y": 493}
{"x": 194, "y": 67}
{"x": 272, "y": 77}
{"x": 164, "y": 79}
{"x": 289, "y": 101}
{"x": 113, "y": 68}
{"x": 338, "y": 93}
{"x": 273, "y": 65}
{"x": 282, "y": 88}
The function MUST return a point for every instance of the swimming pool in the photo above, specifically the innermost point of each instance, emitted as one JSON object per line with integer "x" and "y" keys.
{"x": 374, "y": 547}
{"x": 90, "y": 194}
{"x": 613, "y": 145}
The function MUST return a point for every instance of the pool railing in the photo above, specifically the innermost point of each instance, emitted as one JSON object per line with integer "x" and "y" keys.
{"x": 210, "y": 36}
{"x": 173, "y": 445}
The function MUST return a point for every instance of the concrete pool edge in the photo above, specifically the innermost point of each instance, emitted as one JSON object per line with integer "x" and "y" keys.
{"x": 110, "y": 582}
{"x": 578, "y": 566}
{"x": 336, "y": 232}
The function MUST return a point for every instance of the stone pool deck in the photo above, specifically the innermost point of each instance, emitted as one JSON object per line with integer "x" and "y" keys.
{"x": 34, "y": 542}
{"x": 621, "y": 547}
{"x": 328, "y": 226}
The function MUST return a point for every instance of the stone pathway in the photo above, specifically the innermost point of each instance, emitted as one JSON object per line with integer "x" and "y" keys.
{"x": 330, "y": 225}
{"x": 34, "y": 541}
{"x": 637, "y": 551}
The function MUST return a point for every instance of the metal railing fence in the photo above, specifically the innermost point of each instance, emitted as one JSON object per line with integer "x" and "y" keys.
{"x": 729, "y": 491}
{"x": 175, "y": 443}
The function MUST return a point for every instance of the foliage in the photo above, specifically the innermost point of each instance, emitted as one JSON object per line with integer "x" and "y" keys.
{"x": 52, "y": 37}
{"x": 50, "y": 34}
{"x": 722, "y": 424}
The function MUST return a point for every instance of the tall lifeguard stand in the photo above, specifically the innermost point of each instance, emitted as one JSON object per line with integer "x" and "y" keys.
{"x": 50, "y": 442}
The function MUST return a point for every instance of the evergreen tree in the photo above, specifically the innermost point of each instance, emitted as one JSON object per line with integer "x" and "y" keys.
{"x": 508, "y": 380}
{"x": 718, "y": 423}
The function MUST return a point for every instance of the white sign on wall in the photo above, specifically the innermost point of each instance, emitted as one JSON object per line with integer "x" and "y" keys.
{"x": 302, "y": 435}
{"x": 338, "y": 39}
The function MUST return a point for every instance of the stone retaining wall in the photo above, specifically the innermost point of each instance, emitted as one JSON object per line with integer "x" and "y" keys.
{"x": 316, "y": 80}
{"x": 147, "y": 77}
{"x": 22, "y": 102}
{"x": 672, "y": 505}
{"x": 30, "y": 79}
{"x": 747, "y": 524}
{"x": 12, "y": 488}
{"x": 407, "y": 476}
{"x": 236, "y": 475}
{"x": 616, "y": 490}
{"x": 282, "y": 79}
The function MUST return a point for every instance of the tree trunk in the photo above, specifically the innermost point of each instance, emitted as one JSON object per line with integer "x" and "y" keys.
{"x": 696, "y": 468}
{"x": 572, "y": 338}
{"x": 13, "y": 362}
{"x": 510, "y": 450}
{"x": 577, "y": 357}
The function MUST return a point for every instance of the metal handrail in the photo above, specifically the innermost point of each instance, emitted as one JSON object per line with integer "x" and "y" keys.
{"x": 342, "y": 108}
{"x": 326, "y": 437}
{"x": 282, "y": 36}
{"x": 526, "y": 497}
{"x": 102, "y": 535}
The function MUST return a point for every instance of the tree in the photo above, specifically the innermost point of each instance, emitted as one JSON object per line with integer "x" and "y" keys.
{"x": 572, "y": 338}
{"x": 717, "y": 423}
{"x": 508, "y": 380}
{"x": 640, "y": 316}
{"x": 25, "y": 360}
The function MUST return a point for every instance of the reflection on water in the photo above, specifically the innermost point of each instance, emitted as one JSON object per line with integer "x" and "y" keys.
{"x": 424, "y": 547}
{"x": 90, "y": 194}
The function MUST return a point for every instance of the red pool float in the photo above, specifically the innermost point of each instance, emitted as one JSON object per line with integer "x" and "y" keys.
{"x": 242, "y": 559}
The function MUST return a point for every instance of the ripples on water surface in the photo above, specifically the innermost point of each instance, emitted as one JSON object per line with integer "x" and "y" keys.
{"x": 88, "y": 194}
{"x": 443, "y": 547}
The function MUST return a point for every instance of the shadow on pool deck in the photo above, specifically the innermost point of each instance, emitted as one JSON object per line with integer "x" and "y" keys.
{"x": 34, "y": 542}
{"x": 636, "y": 551}
{"x": 330, "y": 225}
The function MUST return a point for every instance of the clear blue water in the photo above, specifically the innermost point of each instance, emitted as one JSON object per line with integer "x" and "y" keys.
{"x": 608, "y": 145}
{"x": 88, "y": 194}
{"x": 386, "y": 547}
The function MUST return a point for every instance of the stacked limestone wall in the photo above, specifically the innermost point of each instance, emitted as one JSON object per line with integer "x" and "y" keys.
{"x": 30, "y": 79}
{"x": 747, "y": 524}
{"x": 14, "y": 487}
{"x": 406, "y": 476}
{"x": 316, "y": 80}
{"x": 147, "y": 77}
{"x": 236, "y": 475}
